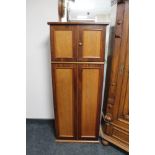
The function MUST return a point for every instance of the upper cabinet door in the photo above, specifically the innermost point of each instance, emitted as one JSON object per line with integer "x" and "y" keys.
{"x": 63, "y": 43}
{"x": 91, "y": 43}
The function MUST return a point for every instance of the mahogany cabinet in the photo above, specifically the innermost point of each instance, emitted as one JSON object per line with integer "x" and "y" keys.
{"x": 116, "y": 111}
{"x": 77, "y": 59}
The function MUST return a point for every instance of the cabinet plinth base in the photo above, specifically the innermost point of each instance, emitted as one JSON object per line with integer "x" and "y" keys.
{"x": 116, "y": 142}
{"x": 76, "y": 141}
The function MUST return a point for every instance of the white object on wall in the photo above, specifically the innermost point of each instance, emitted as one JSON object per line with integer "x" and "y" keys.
{"x": 90, "y": 10}
{"x": 38, "y": 76}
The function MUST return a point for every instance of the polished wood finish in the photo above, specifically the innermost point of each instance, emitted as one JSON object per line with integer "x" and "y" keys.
{"x": 89, "y": 103}
{"x": 78, "y": 43}
{"x": 61, "y": 8}
{"x": 77, "y": 76}
{"x": 63, "y": 43}
{"x": 91, "y": 43}
{"x": 76, "y": 23}
{"x": 78, "y": 62}
{"x": 116, "y": 119}
{"x": 124, "y": 96}
{"x": 116, "y": 142}
{"x": 64, "y": 77}
{"x": 89, "y": 49}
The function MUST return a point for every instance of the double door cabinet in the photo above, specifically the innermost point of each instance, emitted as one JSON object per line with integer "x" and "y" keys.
{"x": 77, "y": 59}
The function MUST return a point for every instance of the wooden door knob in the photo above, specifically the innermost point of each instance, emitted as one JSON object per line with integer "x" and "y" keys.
{"x": 108, "y": 118}
{"x": 80, "y": 44}
{"x": 119, "y": 22}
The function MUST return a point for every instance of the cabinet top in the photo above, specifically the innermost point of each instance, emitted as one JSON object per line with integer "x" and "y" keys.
{"x": 76, "y": 23}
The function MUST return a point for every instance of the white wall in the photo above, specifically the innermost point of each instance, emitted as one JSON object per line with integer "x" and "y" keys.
{"x": 39, "y": 88}
{"x": 39, "y": 92}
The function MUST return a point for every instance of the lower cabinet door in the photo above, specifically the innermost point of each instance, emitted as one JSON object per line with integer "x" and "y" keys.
{"x": 90, "y": 81}
{"x": 64, "y": 93}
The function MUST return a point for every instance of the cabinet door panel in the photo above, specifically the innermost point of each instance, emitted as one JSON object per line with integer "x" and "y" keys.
{"x": 63, "y": 43}
{"x": 89, "y": 95}
{"x": 64, "y": 84}
{"x": 91, "y": 43}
